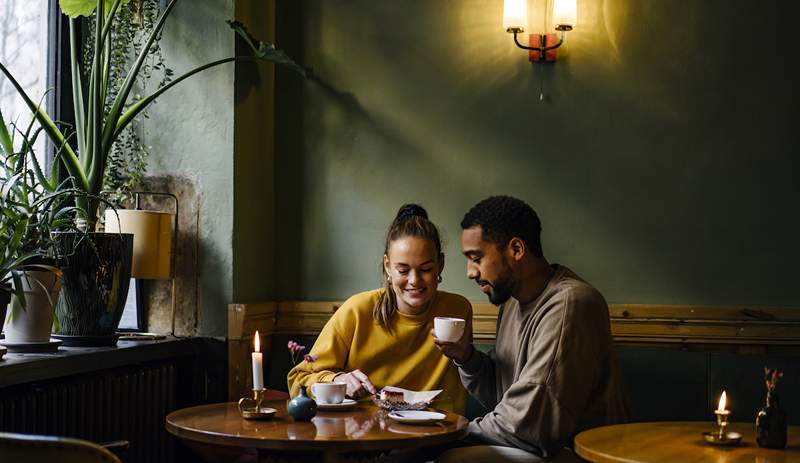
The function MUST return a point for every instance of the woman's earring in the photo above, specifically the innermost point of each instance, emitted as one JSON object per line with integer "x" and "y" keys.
{"x": 388, "y": 278}
{"x": 439, "y": 278}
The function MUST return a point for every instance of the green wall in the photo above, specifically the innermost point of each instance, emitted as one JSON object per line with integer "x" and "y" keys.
{"x": 662, "y": 159}
{"x": 190, "y": 133}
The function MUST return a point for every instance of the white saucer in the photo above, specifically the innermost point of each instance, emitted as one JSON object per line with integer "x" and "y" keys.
{"x": 346, "y": 403}
{"x": 31, "y": 347}
{"x": 416, "y": 416}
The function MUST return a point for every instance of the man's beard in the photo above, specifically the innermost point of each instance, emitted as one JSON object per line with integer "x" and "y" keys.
{"x": 501, "y": 287}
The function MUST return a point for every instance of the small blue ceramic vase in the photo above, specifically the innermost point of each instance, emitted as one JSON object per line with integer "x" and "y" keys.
{"x": 302, "y": 407}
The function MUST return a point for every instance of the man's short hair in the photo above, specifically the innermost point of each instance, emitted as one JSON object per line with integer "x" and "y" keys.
{"x": 504, "y": 217}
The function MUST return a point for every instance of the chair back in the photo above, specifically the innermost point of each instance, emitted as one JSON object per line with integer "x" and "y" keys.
{"x": 46, "y": 449}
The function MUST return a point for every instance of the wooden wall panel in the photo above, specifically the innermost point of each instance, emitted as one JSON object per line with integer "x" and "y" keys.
{"x": 741, "y": 329}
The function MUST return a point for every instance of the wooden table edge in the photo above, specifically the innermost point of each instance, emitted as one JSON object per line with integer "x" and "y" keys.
{"x": 596, "y": 456}
{"x": 323, "y": 445}
{"x": 593, "y": 455}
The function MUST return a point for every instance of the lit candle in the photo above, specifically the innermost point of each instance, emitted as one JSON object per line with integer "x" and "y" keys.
{"x": 258, "y": 365}
{"x": 722, "y": 416}
{"x": 722, "y": 401}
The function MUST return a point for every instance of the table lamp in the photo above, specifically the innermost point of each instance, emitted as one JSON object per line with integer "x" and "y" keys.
{"x": 154, "y": 234}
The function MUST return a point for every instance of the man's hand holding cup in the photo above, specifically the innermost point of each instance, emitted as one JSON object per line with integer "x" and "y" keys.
{"x": 450, "y": 338}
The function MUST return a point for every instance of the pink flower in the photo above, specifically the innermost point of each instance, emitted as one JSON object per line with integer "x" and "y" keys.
{"x": 310, "y": 358}
{"x": 295, "y": 349}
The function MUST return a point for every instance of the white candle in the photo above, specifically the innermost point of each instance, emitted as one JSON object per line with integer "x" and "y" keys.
{"x": 258, "y": 365}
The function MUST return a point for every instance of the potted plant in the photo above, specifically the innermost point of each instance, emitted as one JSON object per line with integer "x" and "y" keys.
{"x": 34, "y": 206}
{"x": 14, "y": 223}
{"x": 9, "y": 233}
{"x": 97, "y": 273}
{"x": 12, "y": 228}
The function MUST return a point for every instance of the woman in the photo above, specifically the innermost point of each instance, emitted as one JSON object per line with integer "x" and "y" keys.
{"x": 382, "y": 337}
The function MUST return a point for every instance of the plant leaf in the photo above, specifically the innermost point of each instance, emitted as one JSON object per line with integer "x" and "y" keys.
{"x": 6, "y": 145}
{"x": 75, "y": 8}
{"x": 267, "y": 51}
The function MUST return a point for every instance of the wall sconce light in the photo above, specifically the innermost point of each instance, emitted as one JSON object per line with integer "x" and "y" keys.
{"x": 540, "y": 47}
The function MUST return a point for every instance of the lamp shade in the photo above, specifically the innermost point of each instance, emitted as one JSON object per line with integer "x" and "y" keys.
{"x": 565, "y": 13}
{"x": 152, "y": 240}
{"x": 515, "y": 14}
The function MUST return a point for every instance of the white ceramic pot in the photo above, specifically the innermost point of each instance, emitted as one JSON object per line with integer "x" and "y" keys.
{"x": 34, "y": 323}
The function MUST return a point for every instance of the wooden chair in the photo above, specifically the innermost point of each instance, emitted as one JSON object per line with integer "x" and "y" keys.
{"x": 45, "y": 449}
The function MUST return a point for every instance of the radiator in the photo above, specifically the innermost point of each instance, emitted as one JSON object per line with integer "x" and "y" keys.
{"x": 121, "y": 404}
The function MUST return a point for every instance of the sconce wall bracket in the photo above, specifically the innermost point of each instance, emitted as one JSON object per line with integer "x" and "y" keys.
{"x": 543, "y": 52}
{"x": 537, "y": 51}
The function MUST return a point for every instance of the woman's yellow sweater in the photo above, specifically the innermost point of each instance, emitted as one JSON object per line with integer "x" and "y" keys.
{"x": 406, "y": 357}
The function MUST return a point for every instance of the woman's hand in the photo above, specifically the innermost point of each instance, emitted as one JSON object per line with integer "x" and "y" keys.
{"x": 460, "y": 351}
{"x": 358, "y": 384}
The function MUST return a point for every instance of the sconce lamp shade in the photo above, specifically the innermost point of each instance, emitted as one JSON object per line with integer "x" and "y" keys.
{"x": 152, "y": 240}
{"x": 565, "y": 13}
{"x": 515, "y": 15}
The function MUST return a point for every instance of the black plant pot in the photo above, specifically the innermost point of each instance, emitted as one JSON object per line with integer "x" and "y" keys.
{"x": 97, "y": 274}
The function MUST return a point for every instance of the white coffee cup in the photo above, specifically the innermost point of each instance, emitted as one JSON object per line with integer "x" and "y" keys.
{"x": 329, "y": 393}
{"x": 448, "y": 329}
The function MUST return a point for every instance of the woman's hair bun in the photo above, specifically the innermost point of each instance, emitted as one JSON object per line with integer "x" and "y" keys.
{"x": 411, "y": 210}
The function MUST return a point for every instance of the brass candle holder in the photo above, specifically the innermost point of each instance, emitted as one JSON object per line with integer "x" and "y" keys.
{"x": 722, "y": 421}
{"x": 721, "y": 437}
{"x": 252, "y": 409}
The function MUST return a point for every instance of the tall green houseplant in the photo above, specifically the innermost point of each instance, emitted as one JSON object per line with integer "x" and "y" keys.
{"x": 98, "y": 123}
{"x": 127, "y": 163}
{"x": 97, "y": 274}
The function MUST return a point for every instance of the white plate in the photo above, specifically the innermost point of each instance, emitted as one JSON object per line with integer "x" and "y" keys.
{"x": 416, "y": 416}
{"x": 346, "y": 403}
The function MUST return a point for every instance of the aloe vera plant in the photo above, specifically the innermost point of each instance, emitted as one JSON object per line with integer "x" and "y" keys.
{"x": 33, "y": 204}
{"x": 99, "y": 122}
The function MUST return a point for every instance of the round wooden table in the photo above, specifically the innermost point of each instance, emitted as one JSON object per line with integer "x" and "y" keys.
{"x": 677, "y": 441}
{"x": 360, "y": 433}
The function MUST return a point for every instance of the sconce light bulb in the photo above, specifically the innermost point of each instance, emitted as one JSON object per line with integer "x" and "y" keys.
{"x": 565, "y": 14}
{"x": 515, "y": 15}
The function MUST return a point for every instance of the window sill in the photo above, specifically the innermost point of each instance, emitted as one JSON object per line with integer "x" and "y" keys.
{"x": 25, "y": 368}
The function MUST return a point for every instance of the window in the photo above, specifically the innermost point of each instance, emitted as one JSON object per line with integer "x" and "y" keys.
{"x": 24, "y": 47}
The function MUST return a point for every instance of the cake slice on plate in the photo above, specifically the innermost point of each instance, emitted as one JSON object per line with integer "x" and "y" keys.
{"x": 393, "y": 397}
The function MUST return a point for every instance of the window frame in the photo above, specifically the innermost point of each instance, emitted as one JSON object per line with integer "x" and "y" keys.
{"x": 59, "y": 101}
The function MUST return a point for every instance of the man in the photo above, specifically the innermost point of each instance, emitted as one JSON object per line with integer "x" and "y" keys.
{"x": 553, "y": 372}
